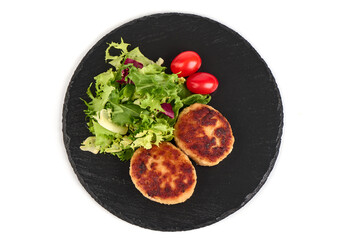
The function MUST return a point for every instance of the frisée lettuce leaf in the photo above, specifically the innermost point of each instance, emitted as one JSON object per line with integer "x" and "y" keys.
{"x": 133, "y": 104}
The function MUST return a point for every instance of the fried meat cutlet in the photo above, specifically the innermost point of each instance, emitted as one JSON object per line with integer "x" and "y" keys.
{"x": 163, "y": 173}
{"x": 204, "y": 134}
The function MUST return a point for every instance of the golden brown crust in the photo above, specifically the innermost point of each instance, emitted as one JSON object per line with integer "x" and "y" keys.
{"x": 163, "y": 173}
{"x": 204, "y": 134}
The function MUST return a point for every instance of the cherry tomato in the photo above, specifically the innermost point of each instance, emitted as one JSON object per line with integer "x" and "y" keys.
{"x": 186, "y": 63}
{"x": 202, "y": 83}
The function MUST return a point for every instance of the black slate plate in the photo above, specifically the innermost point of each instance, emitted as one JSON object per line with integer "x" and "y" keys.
{"x": 247, "y": 95}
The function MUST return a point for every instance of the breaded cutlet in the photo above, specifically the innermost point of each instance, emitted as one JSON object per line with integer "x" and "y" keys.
{"x": 163, "y": 173}
{"x": 204, "y": 134}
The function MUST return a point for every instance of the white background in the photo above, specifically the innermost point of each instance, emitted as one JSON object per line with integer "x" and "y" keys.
{"x": 313, "y": 50}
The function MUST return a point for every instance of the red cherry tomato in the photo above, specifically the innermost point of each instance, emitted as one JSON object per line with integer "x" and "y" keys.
{"x": 186, "y": 63}
{"x": 202, "y": 83}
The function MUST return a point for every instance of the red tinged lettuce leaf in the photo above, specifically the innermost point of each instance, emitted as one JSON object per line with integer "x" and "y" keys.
{"x": 134, "y": 62}
{"x": 125, "y": 72}
{"x": 168, "y": 110}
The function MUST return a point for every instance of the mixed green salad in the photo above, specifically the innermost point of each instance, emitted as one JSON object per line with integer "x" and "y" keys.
{"x": 134, "y": 103}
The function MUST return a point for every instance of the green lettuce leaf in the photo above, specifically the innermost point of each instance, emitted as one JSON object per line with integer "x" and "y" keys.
{"x": 98, "y": 103}
{"x": 103, "y": 79}
{"x": 90, "y": 145}
{"x": 122, "y": 95}
{"x": 123, "y": 114}
{"x": 116, "y": 60}
{"x": 103, "y": 136}
{"x": 196, "y": 98}
{"x": 136, "y": 55}
{"x": 152, "y": 69}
